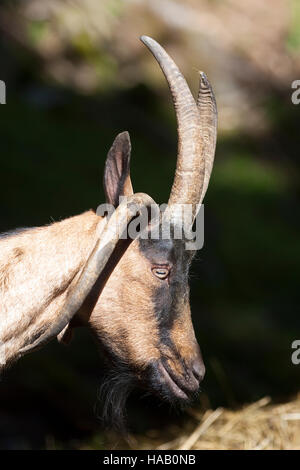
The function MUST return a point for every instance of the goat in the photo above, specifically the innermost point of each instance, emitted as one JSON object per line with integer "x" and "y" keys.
{"x": 133, "y": 294}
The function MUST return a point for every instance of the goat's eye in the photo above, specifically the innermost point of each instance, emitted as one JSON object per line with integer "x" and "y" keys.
{"x": 161, "y": 272}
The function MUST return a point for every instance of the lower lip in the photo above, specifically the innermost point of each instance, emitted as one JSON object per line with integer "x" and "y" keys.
{"x": 171, "y": 384}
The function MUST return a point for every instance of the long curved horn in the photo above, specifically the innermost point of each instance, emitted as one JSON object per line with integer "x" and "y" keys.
{"x": 207, "y": 107}
{"x": 189, "y": 175}
{"x": 95, "y": 264}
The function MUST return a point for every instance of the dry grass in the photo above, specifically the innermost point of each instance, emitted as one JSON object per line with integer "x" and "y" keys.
{"x": 261, "y": 425}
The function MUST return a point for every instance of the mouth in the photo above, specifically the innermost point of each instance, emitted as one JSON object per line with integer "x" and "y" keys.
{"x": 173, "y": 387}
{"x": 171, "y": 383}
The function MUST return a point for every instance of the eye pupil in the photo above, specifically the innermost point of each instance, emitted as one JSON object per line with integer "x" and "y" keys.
{"x": 161, "y": 273}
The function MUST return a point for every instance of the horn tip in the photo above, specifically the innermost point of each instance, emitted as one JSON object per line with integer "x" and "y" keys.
{"x": 147, "y": 40}
{"x": 203, "y": 78}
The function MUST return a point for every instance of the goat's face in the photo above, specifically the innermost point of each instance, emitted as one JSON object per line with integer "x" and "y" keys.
{"x": 141, "y": 312}
{"x": 143, "y": 320}
{"x": 142, "y": 316}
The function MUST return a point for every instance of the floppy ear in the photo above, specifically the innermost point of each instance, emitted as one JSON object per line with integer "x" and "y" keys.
{"x": 116, "y": 178}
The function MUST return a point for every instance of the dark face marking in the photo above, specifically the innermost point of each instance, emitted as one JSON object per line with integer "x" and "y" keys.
{"x": 170, "y": 294}
{"x": 178, "y": 347}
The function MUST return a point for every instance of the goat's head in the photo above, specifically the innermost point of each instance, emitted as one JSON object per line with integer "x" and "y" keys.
{"x": 138, "y": 294}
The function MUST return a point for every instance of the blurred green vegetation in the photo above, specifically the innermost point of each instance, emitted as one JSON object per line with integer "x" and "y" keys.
{"x": 293, "y": 40}
{"x": 244, "y": 282}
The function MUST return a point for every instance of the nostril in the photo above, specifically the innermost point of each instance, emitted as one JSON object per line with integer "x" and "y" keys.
{"x": 199, "y": 370}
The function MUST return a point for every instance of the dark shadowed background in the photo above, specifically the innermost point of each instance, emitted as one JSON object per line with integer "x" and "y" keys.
{"x": 77, "y": 75}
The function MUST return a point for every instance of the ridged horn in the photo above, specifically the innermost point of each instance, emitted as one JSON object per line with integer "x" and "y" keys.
{"x": 190, "y": 169}
{"x": 207, "y": 107}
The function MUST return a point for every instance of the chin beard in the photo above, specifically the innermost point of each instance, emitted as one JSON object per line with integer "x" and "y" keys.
{"x": 113, "y": 393}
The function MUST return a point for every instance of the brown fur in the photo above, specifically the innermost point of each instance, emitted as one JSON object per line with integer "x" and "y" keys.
{"x": 142, "y": 322}
{"x": 36, "y": 268}
{"x": 125, "y": 311}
